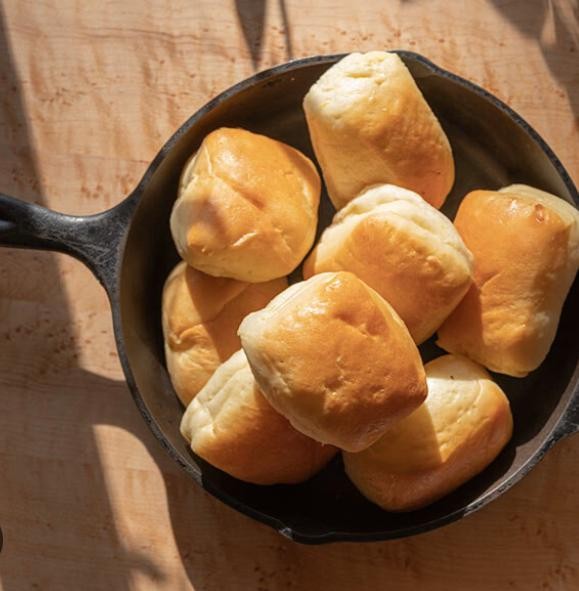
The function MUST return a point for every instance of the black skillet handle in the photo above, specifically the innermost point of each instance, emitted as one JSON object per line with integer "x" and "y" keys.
{"x": 95, "y": 240}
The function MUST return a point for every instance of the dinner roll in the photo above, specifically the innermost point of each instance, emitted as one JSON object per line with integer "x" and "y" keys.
{"x": 247, "y": 207}
{"x": 201, "y": 315}
{"x": 335, "y": 359}
{"x": 402, "y": 247}
{"x": 460, "y": 429}
{"x": 233, "y": 427}
{"x": 370, "y": 124}
{"x": 526, "y": 250}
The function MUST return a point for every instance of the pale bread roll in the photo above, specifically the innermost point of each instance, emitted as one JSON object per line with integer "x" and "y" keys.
{"x": 525, "y": 244}
{"x": 461, "y": 428}
{"x": 335, "y": 359}
{"x": 370, "y": 124}
{"x": 402, "y": 247}
{"x": 233, "y": 427}
{"x": 247, "y": 207}
{"x": 200, "y": 317}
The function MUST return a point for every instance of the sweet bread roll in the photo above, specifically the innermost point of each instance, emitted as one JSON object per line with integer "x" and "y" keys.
{"x": 247, "y": 207}
{"x": 233, "y": 427}
{"x": 402, "y": 247}
{"x": 526, "y": 250}
{"x": 335, "y": 359}
{"x": 201, "y": 315}
{"x": 460, "y": 429}
{"x": 370, "y": 124}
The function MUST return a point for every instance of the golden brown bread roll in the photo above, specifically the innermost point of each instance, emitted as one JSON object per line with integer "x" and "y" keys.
{"x": 526, "y": 249}
{"x": 402, "y": 247}
{"x": 370, "y": 124}
{"x": 460, "y": 429}
{"x": 200, "y": 316}
{"x": 335, "y": 359}
{"x": 247, "y": 207}
{"x": 233, "y": 427}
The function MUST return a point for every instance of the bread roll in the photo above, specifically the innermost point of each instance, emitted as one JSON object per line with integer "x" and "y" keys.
{"x": 402, "y": 247}
{"x": 460, "y": 429}
{"x": 201, "y": 315}
{"x": 233, "y": 427}
{"x": 370, "y": 124}
{"x": 247, "y": 207}
{"x": 335, "y": 359}
{"x": 526, "y": 248}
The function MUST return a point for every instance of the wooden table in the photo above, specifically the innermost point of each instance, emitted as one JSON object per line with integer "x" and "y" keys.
{"x": 88, "y": 94}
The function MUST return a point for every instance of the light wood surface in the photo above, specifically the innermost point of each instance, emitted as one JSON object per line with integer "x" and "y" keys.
{"x": 89, "y": 91}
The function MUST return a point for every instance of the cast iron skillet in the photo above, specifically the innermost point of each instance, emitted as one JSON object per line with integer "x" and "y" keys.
{"x": 130, "y": 251}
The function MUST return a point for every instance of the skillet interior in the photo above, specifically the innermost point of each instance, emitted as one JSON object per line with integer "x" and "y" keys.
{"x": 491, "y": 150}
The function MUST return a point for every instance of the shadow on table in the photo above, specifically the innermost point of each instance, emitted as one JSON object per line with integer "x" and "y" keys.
{"x": 554, "y": 25}
{"x": 251, "y": 15}
{"x": 32, "y": 314}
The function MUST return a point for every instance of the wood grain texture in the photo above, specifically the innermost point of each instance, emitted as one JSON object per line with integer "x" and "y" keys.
{"x": 88, "y": 94}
